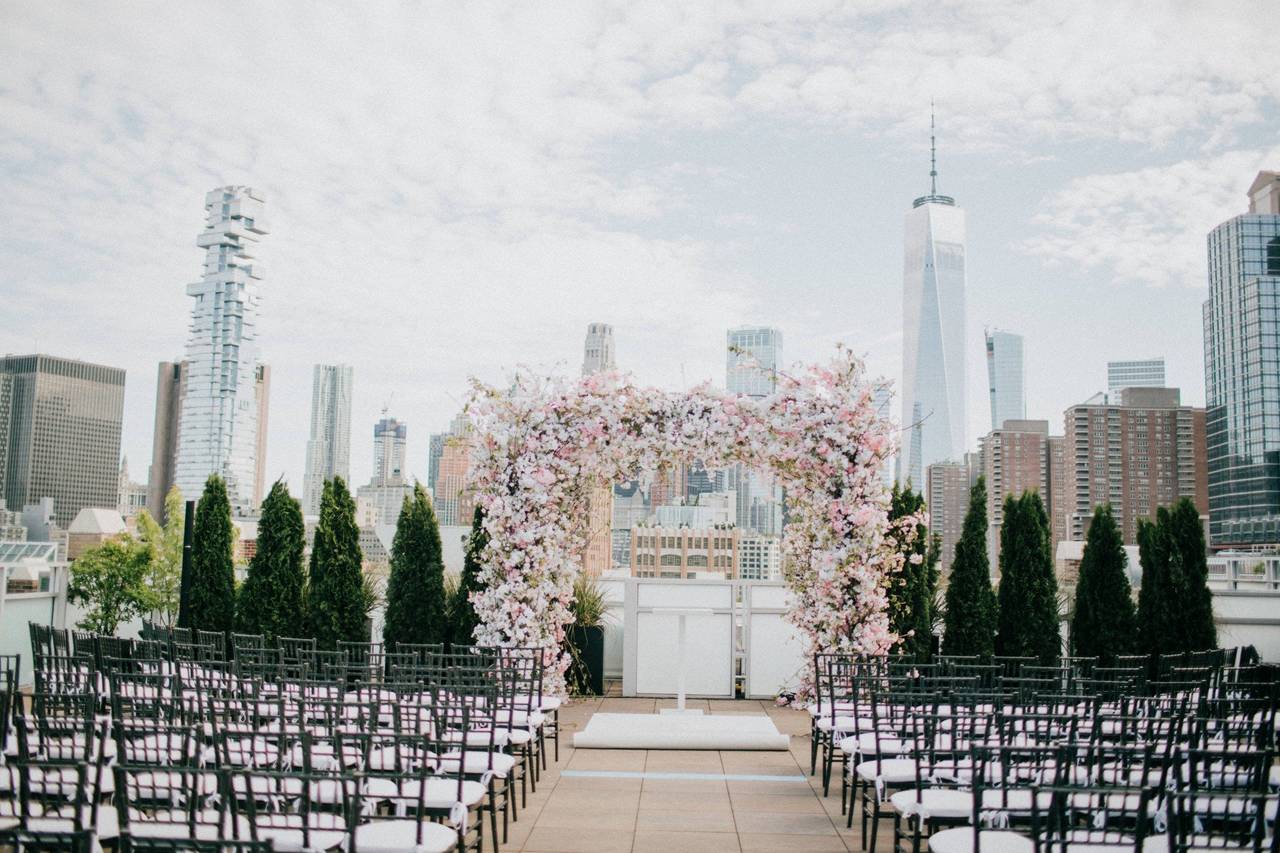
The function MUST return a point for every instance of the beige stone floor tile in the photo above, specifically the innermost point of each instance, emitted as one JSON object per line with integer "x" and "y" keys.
{"x": 784, "y": 823}
{"x": 708, "y": 798}
{"x": 587, "y": 819}
{"x": 594, "y": 783}
{"x": 626, "y": 706}
{"x": 585, "y": 798}
{"x": 699, "y": 704}
{"x": 691, "y": 786}
{"x": 560, "y": 840}
{"x": 690, "y": 761}
{"x": 718, "y": 820}
{"x": 628, "y": 760}
{"x": 752, "y": 842}
{"x": 685, "y": 842}
{"x": 772, "y": 789}
{"x": 745, "y": 802}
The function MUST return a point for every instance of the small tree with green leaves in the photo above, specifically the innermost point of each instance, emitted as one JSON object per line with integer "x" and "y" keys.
{"x": 211, "y": 598}
{"x": 164, "y": 578}
{"x": 1103, "y": 624}
{"x": 465, "y": 619}
{"x": 1175, "y": 605}
{"x": 336, "y": 596}
{"x": 1028, "y": 592}
{"x": 416, "y": 605}
{"x": 272, "y": 598}
{"x": 910, "y": 587}
{"x": 970, "y": 623}
{"x": 111, "y": 580}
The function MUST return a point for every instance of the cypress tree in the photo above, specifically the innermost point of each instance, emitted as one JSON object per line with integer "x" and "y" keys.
{"x": 1188, "y": 576}
{"x": 1103, "y": 624}
{"x": 416, "y": 607}
{"x": 212, "y": 596}
{"x": 1028, "y": 592}
{"x": 465, "y": 619}
{"x": 910, "y": 591}
{"x": 971, "y": 605}
{"x": 1175, "y": 606}
{"x": 271, "y": 601}
{"x": 1151, "y": 606}
{"x": 335, "y": 597}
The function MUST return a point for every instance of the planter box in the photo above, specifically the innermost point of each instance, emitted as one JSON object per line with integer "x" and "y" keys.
{"x": 587, "y": 670}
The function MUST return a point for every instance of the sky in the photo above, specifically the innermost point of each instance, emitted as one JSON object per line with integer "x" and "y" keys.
{"x": 457, "y": 189}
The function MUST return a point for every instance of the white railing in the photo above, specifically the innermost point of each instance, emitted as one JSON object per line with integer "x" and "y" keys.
{"x": 742, "y": 646}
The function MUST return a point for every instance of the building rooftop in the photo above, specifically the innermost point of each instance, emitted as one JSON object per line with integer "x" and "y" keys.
{"x": 97, "y": 521}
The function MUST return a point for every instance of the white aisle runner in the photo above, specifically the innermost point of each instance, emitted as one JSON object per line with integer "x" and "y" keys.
{"x": 681, "y": 731}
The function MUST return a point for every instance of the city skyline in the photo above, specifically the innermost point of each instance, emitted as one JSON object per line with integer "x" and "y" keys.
{"x": 738, "y": 174}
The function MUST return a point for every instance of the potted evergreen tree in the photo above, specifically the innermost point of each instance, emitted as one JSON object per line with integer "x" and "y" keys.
{"x": 585, "y": 639}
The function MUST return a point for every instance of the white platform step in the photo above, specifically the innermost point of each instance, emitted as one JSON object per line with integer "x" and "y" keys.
{"x": 672, "y": 731}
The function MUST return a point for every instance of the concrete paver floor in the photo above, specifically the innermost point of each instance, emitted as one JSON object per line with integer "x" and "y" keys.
{"x": 670, "y": 801}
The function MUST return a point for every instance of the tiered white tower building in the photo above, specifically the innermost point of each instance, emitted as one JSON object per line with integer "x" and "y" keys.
{"x": 933, "y": 341}
{"x": 219, "y": 422}
{"x": 329, "y": 447}
{"x": 597, "y": 352}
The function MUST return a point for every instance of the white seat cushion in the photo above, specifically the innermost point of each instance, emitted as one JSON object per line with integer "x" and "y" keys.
{"x": 891, "y": 771}
{"x": 285, "y": 832}
{"x": 501, "y": 764}
{"x": 960, "y": 840}
{"x": 108, "y": 824}
{"x": 398, "y": 836}
{"x": 929, "y": 803}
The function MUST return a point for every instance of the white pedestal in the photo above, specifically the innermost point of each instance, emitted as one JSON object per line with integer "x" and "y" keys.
{"x": 683, "y": 613}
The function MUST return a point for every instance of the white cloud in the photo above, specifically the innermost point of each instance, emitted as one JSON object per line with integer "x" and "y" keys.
{"x": 1146, "y": 225}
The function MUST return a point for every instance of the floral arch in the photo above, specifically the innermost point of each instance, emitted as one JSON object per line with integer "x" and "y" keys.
{"x": 540, "y": 445}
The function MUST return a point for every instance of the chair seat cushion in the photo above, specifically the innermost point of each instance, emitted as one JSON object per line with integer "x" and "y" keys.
{"x": 960, "y": 840}
{"x": 397, "y": 836}
{"x": 931, "y": 803}
{"x": 890, "y": 771}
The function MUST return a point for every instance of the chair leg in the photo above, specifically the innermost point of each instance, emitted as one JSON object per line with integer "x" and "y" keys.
{"x": 493, "y": 819}
{"x": 814, "y": 736}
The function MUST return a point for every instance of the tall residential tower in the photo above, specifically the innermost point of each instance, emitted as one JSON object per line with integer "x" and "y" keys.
{"x": 329, "y": 447}
{"x": 218, "y": 432}
{"x": 933, "y": 325}
{"x": 1241, "y": 366}
{"x": 1005, "y": 375}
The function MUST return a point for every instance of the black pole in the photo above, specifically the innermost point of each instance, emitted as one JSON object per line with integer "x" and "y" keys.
{"x": 184, "y": 586}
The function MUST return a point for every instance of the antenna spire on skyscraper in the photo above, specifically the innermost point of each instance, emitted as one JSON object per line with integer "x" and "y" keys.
{"x": 933, "y": 154}
{"x": 933, "y": 197}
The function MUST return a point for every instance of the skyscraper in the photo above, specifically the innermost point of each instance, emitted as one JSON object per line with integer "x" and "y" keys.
{"x": 171, "y": 388}
{"x": 60, "y": 433}
{"x": 262, "y": 398}
{"x": 452, "y": 500}
{"x": 1137, "y": 373}
{"x": 598, "y": 351}
{"x": 435, "y": 450}
{"x": 753, "y": 355}
{"x": 1005, "y": 375}
{"x": 597, "y": 355}
{"x": 380, "y": 500}
{"x": 1241, "y": 366}
{"x": 219, "y": 420}
{"x": 389, "y": 438}
{"x": 329, "y": 446}
{"x": 752, "y": 358}
{"x": 933, "y": 348}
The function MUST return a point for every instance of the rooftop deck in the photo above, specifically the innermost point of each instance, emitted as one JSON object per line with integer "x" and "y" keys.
{"x": 637, "y": 801}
